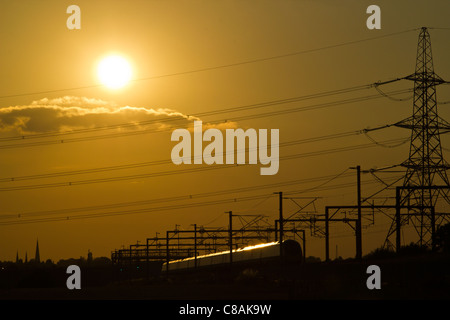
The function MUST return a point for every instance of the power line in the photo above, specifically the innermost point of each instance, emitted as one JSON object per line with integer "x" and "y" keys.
{"x": 241, "y": 118}
{"x": 146, "y": 210}
{"x": 175, "y": 198}
{"x": 327, "y": 181}
{"x": 439, "y": 28}
{"x": 174, "y": 207}
{"x": 166, "y": 161}
{"x": 384, "y": 145}
{"x": 153, "y": 209}
{"x": 197, "y": 115}
{"x": 219, "y": 66}
{"x": 184, "y": 171}
{"x": 391, "y": 98}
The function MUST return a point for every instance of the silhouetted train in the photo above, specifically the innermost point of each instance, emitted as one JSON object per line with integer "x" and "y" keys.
{"x": 257, "y": 255}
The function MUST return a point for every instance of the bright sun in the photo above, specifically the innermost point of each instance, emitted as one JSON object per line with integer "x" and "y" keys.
{"x": 114, "y": 72}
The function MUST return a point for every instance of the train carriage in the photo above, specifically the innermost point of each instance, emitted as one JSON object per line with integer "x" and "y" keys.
{"x": 257, "y": 254}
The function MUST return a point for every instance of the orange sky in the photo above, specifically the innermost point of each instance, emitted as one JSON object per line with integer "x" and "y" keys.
{"x": 49, "y": 84}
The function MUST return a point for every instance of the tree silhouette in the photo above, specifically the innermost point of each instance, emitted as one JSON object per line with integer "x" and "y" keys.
{"x": 442, "y": 238}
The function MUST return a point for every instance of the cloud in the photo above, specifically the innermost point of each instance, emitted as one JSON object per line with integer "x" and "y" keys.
{"x": 71, "y": 113}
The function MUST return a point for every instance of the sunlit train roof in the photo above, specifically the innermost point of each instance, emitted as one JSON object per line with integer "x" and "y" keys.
{"x": 248, "y": 248}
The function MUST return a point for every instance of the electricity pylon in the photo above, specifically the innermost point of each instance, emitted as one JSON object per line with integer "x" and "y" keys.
{"x": 425, "y": 166}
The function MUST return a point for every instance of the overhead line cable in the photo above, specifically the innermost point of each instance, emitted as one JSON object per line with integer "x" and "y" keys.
{"x": 146, "y": 210}
{"x": 182, "y": 171}
{"x": 178, "y": 118}
{"x": 176, "y": 198}
{"x": 238, "y": 118}
{"x": 219, "y": 66}
{"x": 155, "y": 209}
{"x": 166, "y": 161}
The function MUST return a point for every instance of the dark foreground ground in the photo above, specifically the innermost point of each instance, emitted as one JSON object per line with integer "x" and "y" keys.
{"x": 408, "y": 278}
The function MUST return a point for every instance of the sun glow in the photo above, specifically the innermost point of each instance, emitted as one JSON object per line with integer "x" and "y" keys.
{"x": 114, "y": 72}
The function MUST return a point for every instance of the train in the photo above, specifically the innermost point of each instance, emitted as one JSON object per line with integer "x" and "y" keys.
{"x": 256, "y": 255}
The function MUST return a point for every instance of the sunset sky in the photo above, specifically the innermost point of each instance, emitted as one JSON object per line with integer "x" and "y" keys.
{"x": 188, "y": 58}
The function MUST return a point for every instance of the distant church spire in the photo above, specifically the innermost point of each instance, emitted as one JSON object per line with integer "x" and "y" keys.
{"x": 17, "y": 256}
{"x": 37, "y": 259}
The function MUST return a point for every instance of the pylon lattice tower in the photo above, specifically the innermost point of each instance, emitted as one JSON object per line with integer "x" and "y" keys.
{"x": 425, "y": 166}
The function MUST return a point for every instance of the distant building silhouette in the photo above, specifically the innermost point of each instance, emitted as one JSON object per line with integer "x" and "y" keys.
{"x": 17, "y": 256}
{"x": 26, "y": 257}
{"x": 37, "y": 258}
{"x": 89, "y": 256}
